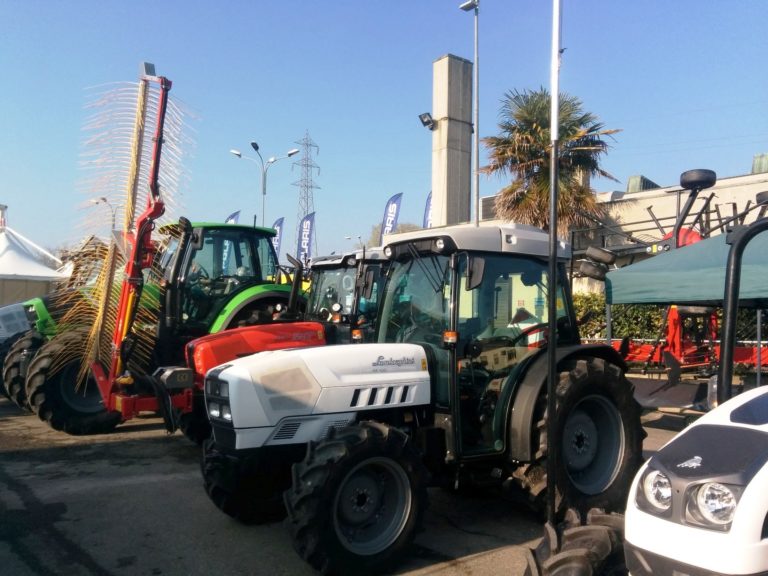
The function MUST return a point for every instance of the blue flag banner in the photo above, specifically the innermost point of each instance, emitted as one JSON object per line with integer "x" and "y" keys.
{"x": 391, "y": 213}
{"x": 278, "y": 226}
{"x": 428, "y": 212}
{"x": 304, "y": 243}
{"x": 233, "y": 218}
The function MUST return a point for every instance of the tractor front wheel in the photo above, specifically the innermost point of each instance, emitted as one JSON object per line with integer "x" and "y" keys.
{"x": 576, "y": 548}
{"x": 245, "y": 490}
{"x": 61, "y": 399}
{"x": 16, "y": 366}
{"x": 357, "y": 499}
{"x": 5, "y": 347}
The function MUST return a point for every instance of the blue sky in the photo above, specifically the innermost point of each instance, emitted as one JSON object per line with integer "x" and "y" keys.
{"x": 684, "y": 81}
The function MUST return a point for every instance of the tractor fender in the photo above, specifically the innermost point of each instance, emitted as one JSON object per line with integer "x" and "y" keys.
{"x": 247, "y": 297}
{"x": 532, "y": 386}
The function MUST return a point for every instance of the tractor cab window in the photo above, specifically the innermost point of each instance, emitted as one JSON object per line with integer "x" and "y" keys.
{"x": 416, "y": 309}
{"x": 502, "y": 320}
{"x": 332, "y": 286}
{"x": 226, "y": 261}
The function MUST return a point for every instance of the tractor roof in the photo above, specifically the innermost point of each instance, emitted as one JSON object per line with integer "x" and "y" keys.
{"x": 335, "y": 260}
{"x": 503, "y": 238}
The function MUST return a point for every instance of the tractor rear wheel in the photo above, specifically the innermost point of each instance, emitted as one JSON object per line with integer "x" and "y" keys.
{"x": 5, "y": 347}
{"x": 357, "y": 499}
{"x": 247, "y": 492}
{"x": 56, "y": 395}
{"x": 599, "y": 438}
{"x": 16, "y": 365}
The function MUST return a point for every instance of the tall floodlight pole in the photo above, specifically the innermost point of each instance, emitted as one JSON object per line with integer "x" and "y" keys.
{"x": 475, "y": 6}
{"x": 552, "y": 444}
{"x": 264, "y": 168}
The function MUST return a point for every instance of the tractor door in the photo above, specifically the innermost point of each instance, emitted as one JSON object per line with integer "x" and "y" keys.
{"x": 416, "y": 308}
{"x": 221, "y": 263}
{"x": 502, "y": 324}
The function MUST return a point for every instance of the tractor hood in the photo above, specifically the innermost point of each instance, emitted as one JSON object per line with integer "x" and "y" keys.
{"x": 266, "y": 388}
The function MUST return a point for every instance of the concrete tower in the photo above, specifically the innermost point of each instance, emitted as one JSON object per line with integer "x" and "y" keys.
{"x": 451, "y": 140}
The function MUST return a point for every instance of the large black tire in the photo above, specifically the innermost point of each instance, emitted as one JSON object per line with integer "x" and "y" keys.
{"x": 55, "y": 396}
{"x": 16, "y": 366}
{"x": 5, "y": 347}
{"x": 573, "y": 548}
{"x": 247, "y": 491}
{"x": 357, "y": 500}
{"x": 600, "y": 439}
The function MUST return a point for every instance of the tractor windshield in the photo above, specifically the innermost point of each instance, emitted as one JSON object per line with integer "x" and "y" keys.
{"x": 416, "y": 304}
{"x": 227, "y": 260}
{"x": 331, "y": 286}
{"x": 337, "y": 285}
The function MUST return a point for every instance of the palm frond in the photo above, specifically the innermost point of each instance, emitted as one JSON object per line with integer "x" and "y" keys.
{"x": 523, "y": 148}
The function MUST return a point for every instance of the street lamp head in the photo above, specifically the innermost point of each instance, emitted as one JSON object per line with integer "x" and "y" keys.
{"x": 427, "y": 121}
{"x": 236, "y": 153}
{"x": 293, "y": 152}
{"x": 255, "y": 146}
{"x": 470, "y": 5}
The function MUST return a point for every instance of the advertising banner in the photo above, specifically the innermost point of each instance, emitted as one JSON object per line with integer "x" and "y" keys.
{"x": 428, "y": 212}
{"x": 391, "y": 213}
{"x": 278, "y": 226}
{"x": 304, "y": 242}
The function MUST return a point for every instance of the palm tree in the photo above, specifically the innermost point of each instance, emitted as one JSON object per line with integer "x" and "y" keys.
{"x": 523, "y": 150}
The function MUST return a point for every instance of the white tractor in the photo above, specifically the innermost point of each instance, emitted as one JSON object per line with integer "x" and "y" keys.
{"x": 451, "y": 393}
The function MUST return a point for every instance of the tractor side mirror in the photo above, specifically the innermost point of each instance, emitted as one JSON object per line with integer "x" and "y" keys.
{"x": 370, "y": 280}
{"x": 476, "y": 271}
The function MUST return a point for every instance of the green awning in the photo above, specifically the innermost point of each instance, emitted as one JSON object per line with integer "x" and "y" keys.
{"x": 694, "y": 274}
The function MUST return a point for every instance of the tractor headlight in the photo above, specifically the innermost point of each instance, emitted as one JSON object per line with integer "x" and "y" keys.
{"x": 216, "y": 387}
{"x": 712, "y": 505}
{"x": 217, "y": 395}
{"x": 656, "y": 490}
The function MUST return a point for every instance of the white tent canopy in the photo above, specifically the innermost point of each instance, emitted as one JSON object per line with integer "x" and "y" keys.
{"x": 21, "y": 259}
{"x": 26, "y": 269}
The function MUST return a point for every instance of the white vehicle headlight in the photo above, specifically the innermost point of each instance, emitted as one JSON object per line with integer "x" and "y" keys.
{"x": 657, "y": 490}
{"x": 214, "y": 409}
{"x": 713, "y": 504}
{"x": 226, "y": 412}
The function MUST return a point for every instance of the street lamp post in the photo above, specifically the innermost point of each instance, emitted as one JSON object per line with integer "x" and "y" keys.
{"x": 264, "y": 168}
{"x": 474, "y": 5}
{"x": 112, "y": 209}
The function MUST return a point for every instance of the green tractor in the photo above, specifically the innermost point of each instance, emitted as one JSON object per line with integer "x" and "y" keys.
{"x": 206, "y": 277}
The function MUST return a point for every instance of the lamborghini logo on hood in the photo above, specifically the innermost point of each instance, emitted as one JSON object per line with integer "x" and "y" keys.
{"x": 694, "y": 462}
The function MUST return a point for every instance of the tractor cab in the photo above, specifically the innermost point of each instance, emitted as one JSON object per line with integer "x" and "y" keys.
{"x": 480, "y": 316}
{"x": 344, "y": 293}
{"x": 217, "y": 276}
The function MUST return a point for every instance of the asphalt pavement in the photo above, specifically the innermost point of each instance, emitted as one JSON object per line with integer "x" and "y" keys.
{"x": 132, "y": 503}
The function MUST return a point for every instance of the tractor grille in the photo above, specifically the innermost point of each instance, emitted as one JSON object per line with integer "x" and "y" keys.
{"x": 335, "y": 425}
{"x": 383, "y": 396}
{"x": 287, "y": 431}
